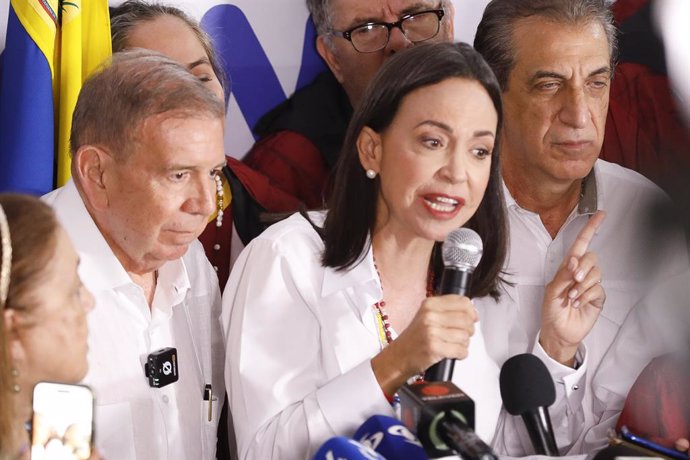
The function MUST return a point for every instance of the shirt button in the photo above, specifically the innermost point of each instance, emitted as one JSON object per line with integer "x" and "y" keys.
{"x": 165, "y": 399}
{"x": 216, "y": 247}
{"x": 576, "y": 387}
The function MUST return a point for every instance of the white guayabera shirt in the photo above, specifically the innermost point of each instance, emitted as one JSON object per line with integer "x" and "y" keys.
{"x": 590, "y": 398}
{"x": 134, "y": 420}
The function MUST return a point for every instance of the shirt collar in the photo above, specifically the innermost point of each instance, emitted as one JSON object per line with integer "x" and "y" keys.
{"x": 362, "y": 274}
{"x": 172, "y": 285}
{"x": 590, "y": 196}
{"x": 99, "y": 265}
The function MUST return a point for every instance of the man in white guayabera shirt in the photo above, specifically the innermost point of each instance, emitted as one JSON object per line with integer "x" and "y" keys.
{"x": 554, "y": 61}
{"x": 147, "y": 142}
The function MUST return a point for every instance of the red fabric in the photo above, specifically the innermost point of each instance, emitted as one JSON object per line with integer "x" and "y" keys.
{"x": 293, "y": 164}
{"x": 644, "y": 129}
{"x": 217, "y": 240}
{"x": 262, "y": 189}
{"x": 623, "y": 9}
{"x": 222, "y": 236}
{"x": 658, "y": 405}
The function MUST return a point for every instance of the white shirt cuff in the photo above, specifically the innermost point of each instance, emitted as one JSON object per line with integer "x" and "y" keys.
{"x": 573, "y": 380}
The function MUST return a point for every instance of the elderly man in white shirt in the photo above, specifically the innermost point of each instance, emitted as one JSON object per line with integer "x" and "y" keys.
{"x": 554, "y": 61}
{"x": 147, "y": 143}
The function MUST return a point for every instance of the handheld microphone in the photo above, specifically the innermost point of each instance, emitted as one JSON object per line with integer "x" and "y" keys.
{"x": 390, "y": 438}
{"x": 461, "y": 251}
{"x": 342, "y": 448}
{"x": 442, "y": 415}
{"x": 527, "y": 389}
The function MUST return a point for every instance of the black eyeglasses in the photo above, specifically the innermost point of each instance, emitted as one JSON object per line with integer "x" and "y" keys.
{"x": 374, "y": 36}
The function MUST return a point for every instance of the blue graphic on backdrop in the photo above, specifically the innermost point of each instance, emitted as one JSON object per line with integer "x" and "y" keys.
{"x": 254, "y": 83}
{"x": 312, "y": 64}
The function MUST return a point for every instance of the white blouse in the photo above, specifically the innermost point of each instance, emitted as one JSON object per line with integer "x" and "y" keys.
{"x": 299, "y": 340}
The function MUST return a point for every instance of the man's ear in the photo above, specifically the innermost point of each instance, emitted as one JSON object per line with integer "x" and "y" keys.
{"x": 329, "y": 55}
{"x": 89, "y": 167}
{"x": 369, "y": 148}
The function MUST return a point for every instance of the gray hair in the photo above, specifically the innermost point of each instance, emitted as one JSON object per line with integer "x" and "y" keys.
{"x": 115, "y": 102}
{"x": 131, "y": 13}
{"x": 494, "y": 37}
{"x": 321, "y": 15}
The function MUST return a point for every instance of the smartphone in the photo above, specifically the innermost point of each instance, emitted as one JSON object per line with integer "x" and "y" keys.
{"x": 669, "y": 452}
{"x": 62, "y": 423}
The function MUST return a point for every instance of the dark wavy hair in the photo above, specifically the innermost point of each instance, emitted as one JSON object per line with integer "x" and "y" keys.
{"x": 352, "y": 206}
{"x": 494, "y": 37}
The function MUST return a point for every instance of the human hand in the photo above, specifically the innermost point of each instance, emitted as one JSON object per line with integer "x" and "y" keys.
{"x": 442, "y": 328}
{"x": 574, "y": 298}
{"x": 682, "y": 444}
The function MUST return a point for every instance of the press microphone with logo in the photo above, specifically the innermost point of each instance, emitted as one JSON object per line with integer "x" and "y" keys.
{"x": 442, "y": 416}
{"x": 527, "y": 389}
{"x": 390, "y": 438}
{"x": 461, "y": 253}
{"x": 342, "y": 448}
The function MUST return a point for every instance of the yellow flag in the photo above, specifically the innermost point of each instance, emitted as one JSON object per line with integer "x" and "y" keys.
{"x": 84, "y": 43}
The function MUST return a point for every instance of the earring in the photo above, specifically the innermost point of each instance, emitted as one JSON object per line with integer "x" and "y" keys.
{"x": 220, "y": 202}
{"x": 15, "y": 386}
{"x": 371, "y": 174}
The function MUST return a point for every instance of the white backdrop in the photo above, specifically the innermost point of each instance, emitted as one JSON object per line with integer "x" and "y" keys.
{"x": 279, "y": 28}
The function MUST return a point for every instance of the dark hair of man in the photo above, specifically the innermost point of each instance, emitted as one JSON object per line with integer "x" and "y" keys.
{"x": 115, "y": 102}
{"x": 494, "y": 37}
{"x": 33, "y": 239}
{"x": 352, "y": 207}
{"x": 131, "y": 13}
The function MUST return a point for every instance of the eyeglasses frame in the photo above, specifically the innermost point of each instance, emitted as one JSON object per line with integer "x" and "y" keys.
{"x": 347, "y": 34}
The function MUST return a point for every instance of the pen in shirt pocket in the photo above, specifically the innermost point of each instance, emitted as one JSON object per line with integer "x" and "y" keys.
{"x": 208, "y": 396}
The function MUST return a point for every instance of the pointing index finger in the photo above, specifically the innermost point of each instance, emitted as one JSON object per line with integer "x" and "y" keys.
{"x": 581, "y": 243}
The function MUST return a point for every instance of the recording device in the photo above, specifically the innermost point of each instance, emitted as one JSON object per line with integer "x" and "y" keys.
{"x": 62, "y": 422}
{"x": 461, "y": 253}
{"x": 527, "y": 389}
{"x": 161, "y": 367}
{"x": 390, "y": 438}
{"x": 342, "y": 448}
{"x": 442, "y": 416}
{"x": 656, "y": 449}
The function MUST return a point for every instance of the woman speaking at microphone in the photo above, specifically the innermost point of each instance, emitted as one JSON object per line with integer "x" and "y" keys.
{"x": 327, "y": 315}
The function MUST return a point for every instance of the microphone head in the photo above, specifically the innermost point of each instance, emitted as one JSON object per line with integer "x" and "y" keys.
{"x": 343, "y": 448}
{"x": 526, "y": 384}
{"x": 390, "y": 438}
{"x": 462, "y": 249}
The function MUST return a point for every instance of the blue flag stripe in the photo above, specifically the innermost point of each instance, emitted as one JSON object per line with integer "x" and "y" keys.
{"x": 27, "y": 143}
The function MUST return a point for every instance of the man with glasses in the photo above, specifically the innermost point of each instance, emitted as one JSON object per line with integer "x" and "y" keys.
{"x": 301, "y": 138}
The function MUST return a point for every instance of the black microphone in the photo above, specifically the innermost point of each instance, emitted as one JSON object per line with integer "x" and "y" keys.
{"x": 527, "y": 389}
{"x": 462, "y": 251}
{"x": 442, "y": 416}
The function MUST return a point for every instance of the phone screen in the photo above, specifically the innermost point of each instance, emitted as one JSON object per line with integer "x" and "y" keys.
{"x": 62, "y": 422}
